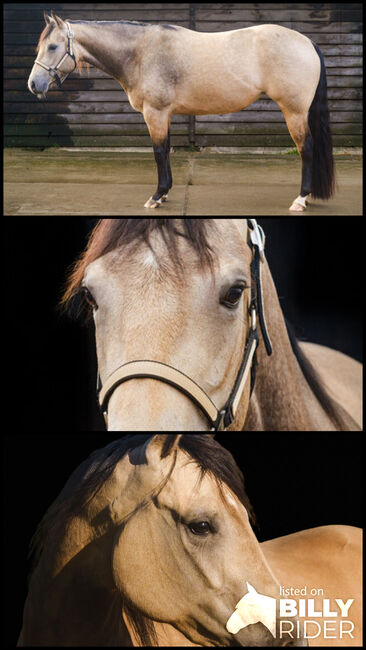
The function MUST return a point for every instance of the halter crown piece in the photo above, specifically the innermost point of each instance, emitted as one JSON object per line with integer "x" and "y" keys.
{"x": 219, "y": 419}
{"x": 69, "y": 52}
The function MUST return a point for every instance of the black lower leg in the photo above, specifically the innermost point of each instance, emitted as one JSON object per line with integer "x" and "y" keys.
{"x": 168, "y": 160}
{"x": 162, "y": 161}
{"x": 307, "y": 165}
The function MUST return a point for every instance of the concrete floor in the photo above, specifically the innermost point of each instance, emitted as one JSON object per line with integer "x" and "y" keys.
{"x": 113, "y": 183}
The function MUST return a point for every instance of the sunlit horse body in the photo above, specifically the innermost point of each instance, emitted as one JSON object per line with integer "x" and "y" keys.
{"x": 150, "y": 542}
{"x": 167, "y": 70}
{"x": 197, "y": 320}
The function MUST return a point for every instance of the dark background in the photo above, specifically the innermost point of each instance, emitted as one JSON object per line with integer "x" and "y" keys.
{"x": 317, "y": 265}
{"x": 295, "y": 481}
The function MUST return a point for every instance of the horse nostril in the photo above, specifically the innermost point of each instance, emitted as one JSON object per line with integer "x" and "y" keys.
{"x": 33, "y": 85}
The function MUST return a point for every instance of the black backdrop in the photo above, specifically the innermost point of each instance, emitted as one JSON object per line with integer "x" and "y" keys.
{"x": 316, "y": 264}
{"x": 295, "y": 481}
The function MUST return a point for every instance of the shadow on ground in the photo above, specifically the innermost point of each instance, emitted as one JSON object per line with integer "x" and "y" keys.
{"x": 113, "y": 183}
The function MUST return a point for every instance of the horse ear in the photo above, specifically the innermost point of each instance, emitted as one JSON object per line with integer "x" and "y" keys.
{"x": 47, "y": 18}
{"x": 57, "y": 19}
{"x": 160, "y": 446}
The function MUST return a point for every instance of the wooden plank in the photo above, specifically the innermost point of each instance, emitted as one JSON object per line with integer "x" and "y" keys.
{"x": 89, "y": 141}
{"x": 94, "y": 97}
{"x": 26, "y": 43}
{"x": 267, "y": 141}
{"x": 339, "y": 61}
{"x": 275, "y": 13}
{"x": 87, "y": 129}
{"x": 262, "y": 128}
{"x": 63, "y": 107}
{"x": 336, "y": 77}
{"x": 84, "y": 118}
{"x": 304, "y": 28}
{"x": 36, "y": 26}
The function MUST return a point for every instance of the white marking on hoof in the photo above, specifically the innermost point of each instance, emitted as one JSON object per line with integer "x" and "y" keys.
{"x": 299, "y": 204}
{"x": 164, "y": 197}
{"x": 151, "y": 203}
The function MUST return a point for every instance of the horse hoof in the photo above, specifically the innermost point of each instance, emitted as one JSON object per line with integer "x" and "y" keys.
{"x": 297, "y": 207}
{"x": 151, "y": 203}
{"x": 164, "y": 197}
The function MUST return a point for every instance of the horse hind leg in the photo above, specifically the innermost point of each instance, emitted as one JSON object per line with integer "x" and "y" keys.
{"x": 158, "y": 124}
{"x": 297, "y": 124}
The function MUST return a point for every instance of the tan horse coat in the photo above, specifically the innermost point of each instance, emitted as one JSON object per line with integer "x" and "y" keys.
{"x": 188, "y": 329}
{"x": 167, "y": 70}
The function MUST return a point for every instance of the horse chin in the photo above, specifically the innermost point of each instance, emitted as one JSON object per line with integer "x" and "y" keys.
{"x": 41, "y": 96}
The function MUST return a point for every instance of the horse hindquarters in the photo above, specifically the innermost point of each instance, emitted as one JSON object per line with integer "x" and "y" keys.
{"x": 311, "y": 134}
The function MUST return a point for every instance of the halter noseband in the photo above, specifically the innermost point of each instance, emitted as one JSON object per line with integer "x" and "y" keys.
{"x": 69, "y": 52}
{"x": 219, "y": 419}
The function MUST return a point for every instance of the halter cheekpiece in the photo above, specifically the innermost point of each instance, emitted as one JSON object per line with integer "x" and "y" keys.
{"x": 69, "y": 52}
{"x": 222, "y": 418}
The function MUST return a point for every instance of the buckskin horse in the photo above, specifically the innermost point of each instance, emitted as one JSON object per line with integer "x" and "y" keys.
{"x": 150, "y": 543}
{"x": 191, "y": 336}
{"x": 167, "y": 70}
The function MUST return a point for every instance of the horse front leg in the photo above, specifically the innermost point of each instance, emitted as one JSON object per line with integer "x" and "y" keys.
{"x": 158, "y": 125}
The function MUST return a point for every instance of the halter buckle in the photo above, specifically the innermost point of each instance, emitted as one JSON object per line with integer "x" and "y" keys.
{"x": 257, "y": 237}
{"x": 253, "y": 314}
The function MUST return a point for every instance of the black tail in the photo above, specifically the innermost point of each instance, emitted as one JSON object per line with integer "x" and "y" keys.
{"x": 318, "y": 120}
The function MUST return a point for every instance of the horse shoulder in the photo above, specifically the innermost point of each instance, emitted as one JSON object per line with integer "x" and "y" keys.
{"x": 341, "y": 375}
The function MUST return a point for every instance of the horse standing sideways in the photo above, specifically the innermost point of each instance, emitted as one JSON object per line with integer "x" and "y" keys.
{"x": 150, "y": 543}
{"x": 191, "y": 336}
{"x": 167, "y": 70}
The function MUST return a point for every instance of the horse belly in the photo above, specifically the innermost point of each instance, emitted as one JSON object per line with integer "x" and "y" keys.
{"x": 220, "y": 74}
{"x": 211, "y": 100}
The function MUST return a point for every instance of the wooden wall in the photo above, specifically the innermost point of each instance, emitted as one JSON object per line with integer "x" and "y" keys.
{"x": 94, "y": 111}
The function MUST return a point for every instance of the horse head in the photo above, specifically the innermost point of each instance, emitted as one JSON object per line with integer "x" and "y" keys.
{"x": 181, "y": 558}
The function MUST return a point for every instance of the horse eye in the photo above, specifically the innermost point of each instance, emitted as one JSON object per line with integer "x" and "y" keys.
{"x": 52, "y": 47}
{"x": 89, "y": 298}
{"x": 233, "y": 296}
{"x": 200, "y": 528}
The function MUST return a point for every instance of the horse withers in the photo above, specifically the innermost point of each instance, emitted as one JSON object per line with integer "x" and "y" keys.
{"x": 167, "y": 70}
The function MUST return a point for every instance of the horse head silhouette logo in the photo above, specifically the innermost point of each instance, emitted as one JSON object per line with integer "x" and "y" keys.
{"x": 253, "y": 608}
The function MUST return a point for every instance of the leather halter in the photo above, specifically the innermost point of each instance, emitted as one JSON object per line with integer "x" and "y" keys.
{"x": 69, "y": 52}
{"x": 219, "y": 419}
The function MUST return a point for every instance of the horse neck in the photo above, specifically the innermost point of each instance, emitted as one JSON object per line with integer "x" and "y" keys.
{"x": 109, "y": 47}
{"x": 282, "y": 399}
{"x": 77, "y": 605}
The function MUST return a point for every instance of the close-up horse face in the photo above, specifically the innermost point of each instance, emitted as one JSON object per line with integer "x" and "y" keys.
{"x": 197, "y": 322}
{"x": 187, "y": 556}
{"x": 53, "y": 47}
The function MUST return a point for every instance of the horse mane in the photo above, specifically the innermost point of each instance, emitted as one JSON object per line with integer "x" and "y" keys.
{"x": 335, "y": 411}
{"x": 110, "y": 234}
{"x": 86, "y": 481}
